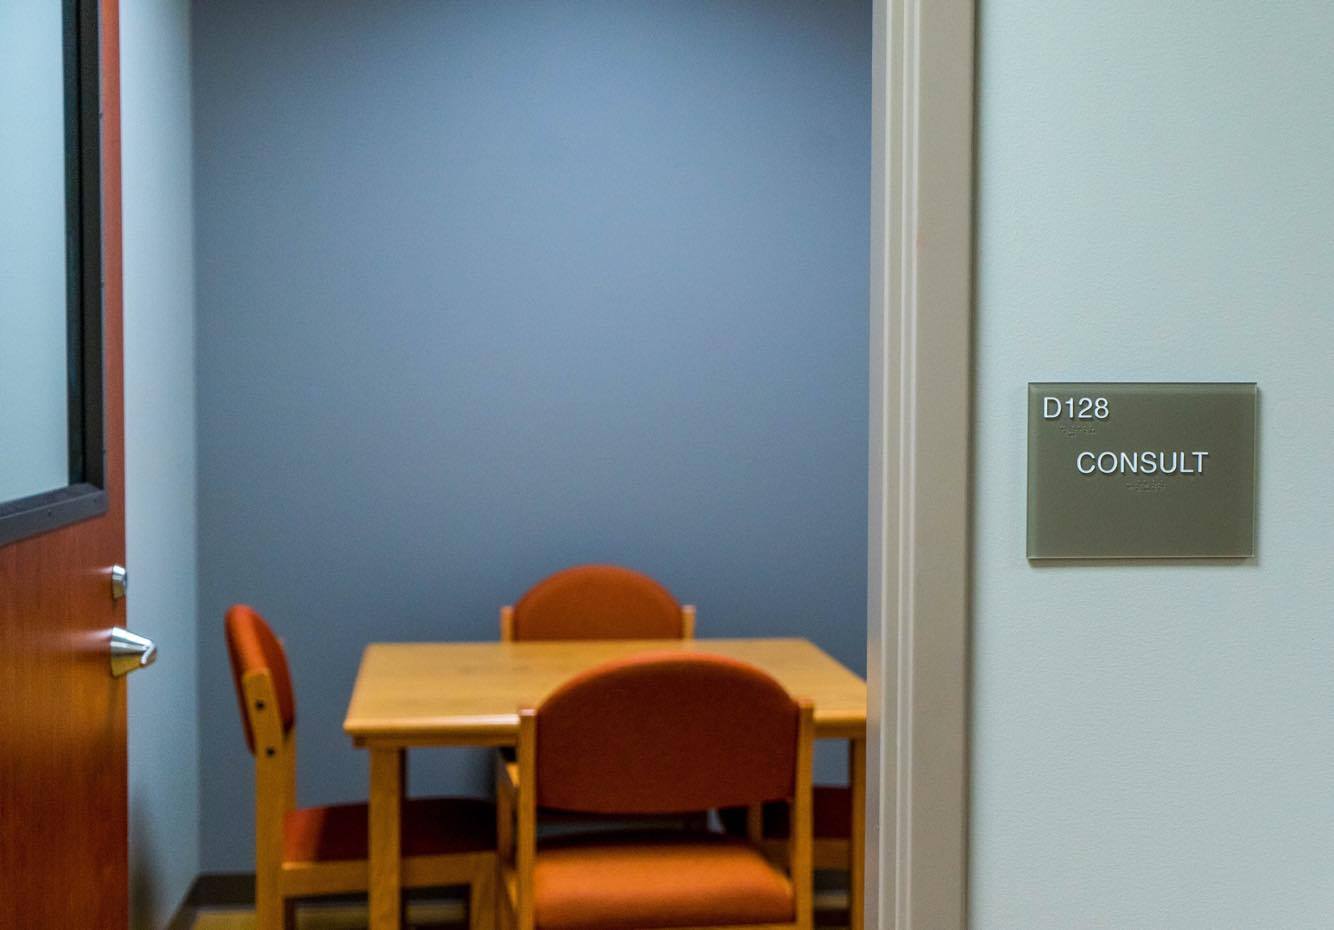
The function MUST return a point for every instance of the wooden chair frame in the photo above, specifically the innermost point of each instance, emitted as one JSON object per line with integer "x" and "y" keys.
{"x": 516, "y": 831}
{"x": 279, "y": 882}
{"x": 828, "y": 853}
{"x": 507, "y": 622}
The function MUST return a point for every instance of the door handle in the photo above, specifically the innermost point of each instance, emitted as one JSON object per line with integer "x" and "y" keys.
{"x": 130, "y": 652}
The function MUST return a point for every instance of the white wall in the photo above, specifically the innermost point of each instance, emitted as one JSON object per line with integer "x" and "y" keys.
{"x": 160, "y": 452}
{"x": 1154, "y": 743}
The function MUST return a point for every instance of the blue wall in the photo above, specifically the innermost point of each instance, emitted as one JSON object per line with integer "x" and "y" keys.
{"x": 487, "y": 289}
{"x": 160, "y": 500}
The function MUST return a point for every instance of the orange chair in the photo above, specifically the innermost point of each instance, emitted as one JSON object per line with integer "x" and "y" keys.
{"x": 662, "y": 733}
{"x": 306, "y": 851}
{"x": 597, "y": 602}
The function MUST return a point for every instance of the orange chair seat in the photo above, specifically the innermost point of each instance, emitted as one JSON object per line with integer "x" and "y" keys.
{"x": 831, "y": 815}
{"x": 618, "y": 881}
{"x": 431, "y": 827}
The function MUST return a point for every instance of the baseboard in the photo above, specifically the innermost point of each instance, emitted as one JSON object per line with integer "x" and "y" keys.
{"x": 213, "y": 889}
{"x": 223, "y": 889}
{"x": 184, "y": 918}
{"x": 237, "y": 889}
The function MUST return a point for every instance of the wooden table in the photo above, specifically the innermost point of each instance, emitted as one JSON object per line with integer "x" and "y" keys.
{"x": 469, "y": 694}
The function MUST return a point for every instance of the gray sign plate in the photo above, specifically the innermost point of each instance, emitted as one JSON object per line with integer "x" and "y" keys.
{"x": 1155, "y": 470}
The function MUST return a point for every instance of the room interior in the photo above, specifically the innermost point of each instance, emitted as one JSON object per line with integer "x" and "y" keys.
{"x": 482, "y": 291}
{"x": 424, "y": 301}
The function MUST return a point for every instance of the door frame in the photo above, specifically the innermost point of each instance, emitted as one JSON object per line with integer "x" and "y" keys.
{"x": 920, "y": 432}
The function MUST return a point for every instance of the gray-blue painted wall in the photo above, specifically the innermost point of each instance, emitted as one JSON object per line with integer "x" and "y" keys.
{"x": 160, "y": 501}
{"x": 487, "y": 289}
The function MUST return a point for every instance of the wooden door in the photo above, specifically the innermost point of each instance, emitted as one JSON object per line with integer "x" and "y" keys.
{"x": 63, "y": 856}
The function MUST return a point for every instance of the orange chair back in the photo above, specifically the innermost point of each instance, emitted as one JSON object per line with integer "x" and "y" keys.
{"x": 597, "y": 602}
{"x": 666, "y": 733}
{"x": 252, "y": 647}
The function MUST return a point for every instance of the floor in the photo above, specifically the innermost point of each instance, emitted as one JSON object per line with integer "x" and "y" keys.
{"x": 445, "y": 915}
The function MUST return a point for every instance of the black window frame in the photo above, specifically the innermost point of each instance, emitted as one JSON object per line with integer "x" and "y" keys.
{"x": 85, "y": 496}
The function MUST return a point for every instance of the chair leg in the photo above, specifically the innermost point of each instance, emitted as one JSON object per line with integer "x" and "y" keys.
{"x": 482, "y": 899}
{"x": 500, "y": 896}
{"x": 270, "y": 909}
{"x": 289, "y": 913}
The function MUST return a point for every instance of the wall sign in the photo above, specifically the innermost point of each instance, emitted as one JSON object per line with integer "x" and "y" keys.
{"x": 1155, "y": 470}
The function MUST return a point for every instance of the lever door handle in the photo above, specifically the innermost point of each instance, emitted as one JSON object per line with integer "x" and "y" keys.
{"x": 130, "y": 652}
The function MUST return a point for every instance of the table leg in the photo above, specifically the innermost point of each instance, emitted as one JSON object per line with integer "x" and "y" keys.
{"x": 385, "y": 820}
{"x": 857, "y": 842}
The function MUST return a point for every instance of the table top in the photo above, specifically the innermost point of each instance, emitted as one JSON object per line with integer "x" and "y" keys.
{"x": 469, "y": 694}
